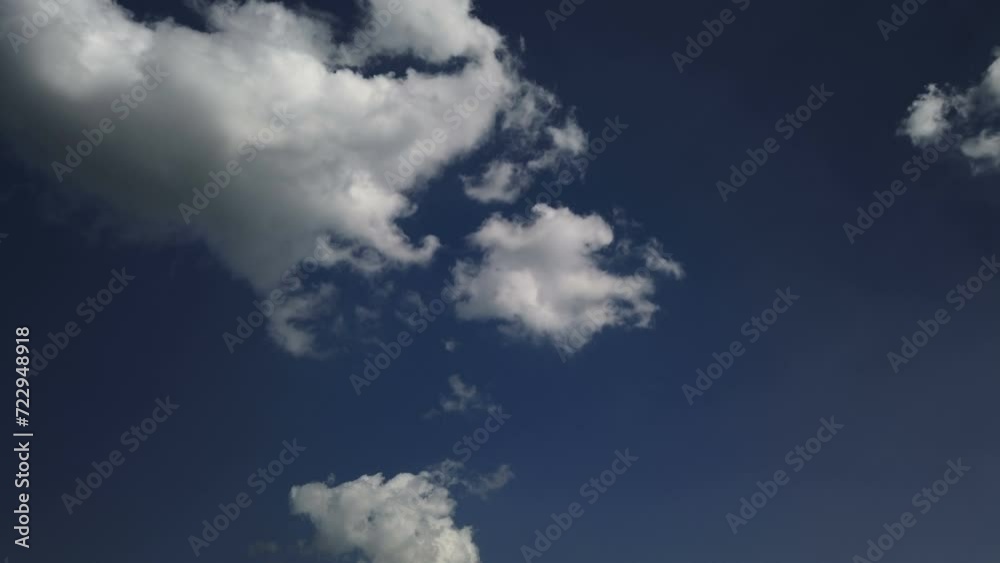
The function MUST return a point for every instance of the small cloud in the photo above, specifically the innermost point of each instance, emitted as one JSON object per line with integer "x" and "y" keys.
{"x": 548, "y": 279}
{"x": 291, "y": 323}
{"x": 365, "y": 315}
{"x": 658, "y": 261}
{"x": 463, "y": 398}
{"x": 262, "y": 548}
{"x": 449, "y": 474}
{"x": 483, "y": 485}
{"x": 450, "y": 344}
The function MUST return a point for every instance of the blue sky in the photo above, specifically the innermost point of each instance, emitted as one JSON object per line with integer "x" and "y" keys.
{"x": 581, "y": 322}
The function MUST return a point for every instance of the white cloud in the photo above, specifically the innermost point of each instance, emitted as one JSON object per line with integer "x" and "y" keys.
{"x": 570, "y": 138}
{"x": 449, "y": 473}
{"x": 405, "y": 519}
{"x": 366, "y": 315}
{"x": 657, "y": 261}
{"x": 435, "y": 30}
{"x": 450, "y": 344}
{"x": 290, "y": 320}
{"x": 983, "y": 150}
{"x": 969, "y": 114}
{"x": 545, "y": 278}
{"x": 502, "y": 181}
{"x": 567, "y": 141}
{"x": 462, "y": 398}
{"x": 483, "y": 485}
{"x": 318, "y": 184}
{"x": 926, "y": 121}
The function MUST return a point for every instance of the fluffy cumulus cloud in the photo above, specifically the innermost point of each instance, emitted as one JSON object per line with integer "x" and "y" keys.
{"x": 546, "y": 278}
{"x": 407, "y": 518}
{"x": 927, "y": 116}
{"x": 271, "y": 134}
{"x": 970, "y": 114}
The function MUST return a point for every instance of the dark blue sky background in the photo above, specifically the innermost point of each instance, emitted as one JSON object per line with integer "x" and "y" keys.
{"x": 825, "y": 357}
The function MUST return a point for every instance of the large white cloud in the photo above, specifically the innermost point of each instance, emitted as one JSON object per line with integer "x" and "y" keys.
{"x": 969, "y": 113}
{"x": 406, "y": 519}
{"x": 340, "y": 146}
{"x": 545, "y": 279}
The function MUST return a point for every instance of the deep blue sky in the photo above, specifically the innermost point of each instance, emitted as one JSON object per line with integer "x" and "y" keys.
{"x": 825, "y": 357}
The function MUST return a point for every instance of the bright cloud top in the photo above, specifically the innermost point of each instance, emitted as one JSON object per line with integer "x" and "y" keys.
{"x": 971, "y": 114}
{"x": 268, "y": 136}
{"x": 544, "y": 279}
{"x": 404, "y": 519}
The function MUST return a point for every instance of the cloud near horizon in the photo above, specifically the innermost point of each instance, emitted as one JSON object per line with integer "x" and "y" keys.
{"x": 407, "y": 518}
